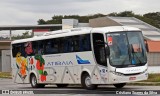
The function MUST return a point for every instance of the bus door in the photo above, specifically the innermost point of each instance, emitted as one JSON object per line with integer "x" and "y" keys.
{"x": 100, "y": 56}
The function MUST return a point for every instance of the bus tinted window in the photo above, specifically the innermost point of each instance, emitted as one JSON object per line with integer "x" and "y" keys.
{"x": 76, "y": 43}
{"x": 41, "y": 47}
{"x": 68, "y": 44}
{"x": 51, "y": 46}
{"x": 99, "y": 48}
{"x": 28, "y": 48}
{"x": 84, "y": 43}
{"x": 35, "y": 47}
{"x": 18, "y": 48}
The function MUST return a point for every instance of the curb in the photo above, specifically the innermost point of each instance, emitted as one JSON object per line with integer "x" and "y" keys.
{"x": 144, "y": 83}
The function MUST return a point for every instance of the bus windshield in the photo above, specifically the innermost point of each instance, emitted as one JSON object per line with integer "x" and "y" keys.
{"x": 126, "y": 49}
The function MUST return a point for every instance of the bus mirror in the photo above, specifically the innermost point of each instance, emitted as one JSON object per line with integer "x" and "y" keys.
{"x": 146, "y": 45}
{"x": 107, "y": 50}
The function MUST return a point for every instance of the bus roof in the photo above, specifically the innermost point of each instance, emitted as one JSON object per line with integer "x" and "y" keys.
{"x": 114, "y": 29}
{"x": 77, "y": 31}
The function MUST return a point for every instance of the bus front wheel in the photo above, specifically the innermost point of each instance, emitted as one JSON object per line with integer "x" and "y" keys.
{"x": 86, "y": 82}
{"x": 120, "y": 85}
{"x": 34, "y": 83}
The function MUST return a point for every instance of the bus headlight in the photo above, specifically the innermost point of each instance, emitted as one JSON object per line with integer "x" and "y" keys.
{"x": 117, "y": 73}
{"x": 144, "y": 71}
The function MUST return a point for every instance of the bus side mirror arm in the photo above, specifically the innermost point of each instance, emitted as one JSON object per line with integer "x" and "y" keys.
{"x": 107, "y": 50}
{"x": 146, "y": 46}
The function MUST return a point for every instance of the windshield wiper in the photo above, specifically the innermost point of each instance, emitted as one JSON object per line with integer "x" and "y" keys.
{"x": 137, "y": 58}
{"x": 134, "y": 53}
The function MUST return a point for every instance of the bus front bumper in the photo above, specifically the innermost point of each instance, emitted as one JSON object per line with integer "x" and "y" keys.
{"x": 115, "y": 78}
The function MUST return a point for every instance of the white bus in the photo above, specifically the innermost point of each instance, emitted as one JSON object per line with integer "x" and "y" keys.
{"x": 87, "y": 56}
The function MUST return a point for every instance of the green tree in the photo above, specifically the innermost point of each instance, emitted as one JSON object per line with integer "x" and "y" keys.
{"x": 126, "y": 14}
{"x": 112, "y": 14}
{"x": 41, "y": 21}
{"x": 154, "y": 18}
{"x": 23, "y": 36}
{"x": 151, "y": 18}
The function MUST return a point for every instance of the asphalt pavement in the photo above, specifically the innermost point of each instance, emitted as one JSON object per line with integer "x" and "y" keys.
{"x": 8, "y": 87}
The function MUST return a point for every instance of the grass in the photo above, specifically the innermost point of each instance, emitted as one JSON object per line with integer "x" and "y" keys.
{"x": 5, "y": 75}
{"x": 153, "y": 78}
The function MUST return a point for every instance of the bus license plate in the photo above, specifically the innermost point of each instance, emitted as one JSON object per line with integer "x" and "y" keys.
{"x": 132, "y": 78}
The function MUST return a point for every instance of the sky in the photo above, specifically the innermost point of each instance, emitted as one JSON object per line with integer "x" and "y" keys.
{"x": 28, "y": 12}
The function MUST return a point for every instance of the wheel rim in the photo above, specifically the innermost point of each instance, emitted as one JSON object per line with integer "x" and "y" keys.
{"x": 88, "y": 81}
{"x": 34, "y": 81}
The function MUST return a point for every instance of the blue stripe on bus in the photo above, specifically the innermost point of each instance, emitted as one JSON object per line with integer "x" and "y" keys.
{"x": 80, "y": 61}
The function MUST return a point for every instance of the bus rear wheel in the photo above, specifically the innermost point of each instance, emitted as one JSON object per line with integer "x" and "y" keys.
{"x": 86, "y": 82}
{"x": 120, "y": 85}
{"x": 62, "y": 85}
{"x": 34, "y": 83}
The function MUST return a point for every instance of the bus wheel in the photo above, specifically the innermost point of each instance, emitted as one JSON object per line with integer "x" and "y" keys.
{"x": 120, "y": 85}
{"x": 86, "y": 82}
{"x": 34, "y": 83}
{"x": 62, "y": 85}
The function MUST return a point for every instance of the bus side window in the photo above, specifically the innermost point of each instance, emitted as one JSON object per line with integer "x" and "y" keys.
{"x": 51, "y": 46}
{"x": 69, "y": 45}
{"x": 35, "y": 47}
{"x": 99, "y": 48}
{"x": 84, "y": 43}
{"x": 61, "y": 45}
{"x": 65, "y": 45}
{"x": 47, "y": 48}
{"x": 18, "y": 48}
{"x": 28, "y": 48}
{"x": 76, "y": 43}
{"x": 22, "y": 50}
{"x": 87, "y": 43}
{"x": 15, "y": 49}
{"x": 41, "y": 47}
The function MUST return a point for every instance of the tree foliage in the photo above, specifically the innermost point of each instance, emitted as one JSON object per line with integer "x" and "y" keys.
{"x": 23, "y": 36}
{"x": 154, "y": 18}
{"x": 41, "y": 21}
{"x": 151, "y": 18}
{"x": 57, "y": 19}
{"x": 122, "y": 14}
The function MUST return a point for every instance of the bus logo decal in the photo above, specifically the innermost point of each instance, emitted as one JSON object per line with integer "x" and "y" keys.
{"x": 80, "y": 61}
{"x": 59, "y": 63}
